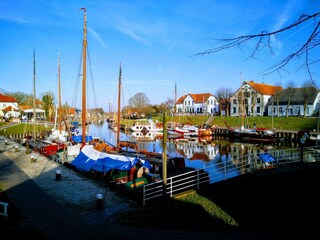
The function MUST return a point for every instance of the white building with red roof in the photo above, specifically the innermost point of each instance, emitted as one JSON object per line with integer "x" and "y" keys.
{"x": 202, "y": 103}
{"x": 8, "y": 107}
{"x": 251, "y": 99}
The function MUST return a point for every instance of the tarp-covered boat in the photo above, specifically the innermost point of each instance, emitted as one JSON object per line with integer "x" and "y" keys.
{"x": 90, "y": 159}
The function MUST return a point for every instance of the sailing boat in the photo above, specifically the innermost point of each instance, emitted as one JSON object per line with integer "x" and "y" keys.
{"x": 45, "y": 147}
{"x": 58, "y": 135}
{"x": 83, "y": 138}
{"x": 91, "y": 159}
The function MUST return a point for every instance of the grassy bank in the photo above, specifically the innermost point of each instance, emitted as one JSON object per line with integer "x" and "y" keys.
{"x": 282, "y": 123}
{"x": 23, "y": 128}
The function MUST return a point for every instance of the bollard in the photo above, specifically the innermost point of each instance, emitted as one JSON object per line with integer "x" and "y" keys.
{"x": 32, "y": 159}
{"x": 99, "y": 202}
{"x": 6, "y": 142}
{"x": 16, "y": 148}
{"x": 58, "y": 175}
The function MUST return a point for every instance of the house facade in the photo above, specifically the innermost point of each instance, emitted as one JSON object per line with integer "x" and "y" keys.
{"x": 295, "y": 102}
{"x": 252, "y": 98}
{"x": 8, "y": 107}
{"x": 203, "y": 103}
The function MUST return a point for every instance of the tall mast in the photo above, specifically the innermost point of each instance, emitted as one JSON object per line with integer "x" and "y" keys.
{"x": 59, "y": 95}
{"x": 84, "y": 73}
{"x": 34, "y": 94}
{"x": 175, "y": 98}
{"x": 118, "y": 118}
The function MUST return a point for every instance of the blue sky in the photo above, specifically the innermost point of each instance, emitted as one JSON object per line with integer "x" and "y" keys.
{"x": 153, "y": 40}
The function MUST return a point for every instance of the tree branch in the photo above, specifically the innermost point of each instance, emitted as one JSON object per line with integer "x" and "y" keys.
{"x": 310, "y": 44}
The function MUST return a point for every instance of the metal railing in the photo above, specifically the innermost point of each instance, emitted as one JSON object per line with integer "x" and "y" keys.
{"x": 4, "y": 209}
{"x": 226, "y": 169}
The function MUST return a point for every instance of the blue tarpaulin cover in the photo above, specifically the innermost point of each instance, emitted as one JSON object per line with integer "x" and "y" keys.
{"x": 267, "y": 157}
{"x": 78, "y": 139}
{"x": 91, "y": 159}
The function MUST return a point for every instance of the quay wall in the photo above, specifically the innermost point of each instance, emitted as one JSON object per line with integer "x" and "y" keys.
{"x": 287, "y": 135}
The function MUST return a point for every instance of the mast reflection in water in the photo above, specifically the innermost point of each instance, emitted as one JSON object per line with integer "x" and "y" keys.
{"x": 220, "y": 158}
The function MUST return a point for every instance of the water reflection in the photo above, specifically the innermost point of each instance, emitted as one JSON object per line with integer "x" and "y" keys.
{"x": 222, "y": 159}
{"x": 191, "y": 148}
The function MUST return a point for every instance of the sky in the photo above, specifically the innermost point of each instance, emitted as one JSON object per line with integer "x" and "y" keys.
{"x": 155, "y": 42}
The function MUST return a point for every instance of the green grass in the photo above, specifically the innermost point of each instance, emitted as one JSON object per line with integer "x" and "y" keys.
{"x": 282, "y": 123}
{"x": 24, "y": 128}
{"x": 185, "y": 211}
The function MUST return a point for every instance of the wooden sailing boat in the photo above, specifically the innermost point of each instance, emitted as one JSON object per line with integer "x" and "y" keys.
{"x": 119, "y": 108}
{"x": 58, "y": 134}
{"x": 84, "y": 77}
{"x": 45, "y": 147}
{"x": 83, "y": 138}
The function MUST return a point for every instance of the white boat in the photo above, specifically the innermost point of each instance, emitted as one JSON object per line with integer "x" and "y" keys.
{"x": 187, "y": 130}
{"x": 146, "y": 125}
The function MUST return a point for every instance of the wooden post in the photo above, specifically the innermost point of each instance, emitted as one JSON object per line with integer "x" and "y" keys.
{"x": 164, "y": 154}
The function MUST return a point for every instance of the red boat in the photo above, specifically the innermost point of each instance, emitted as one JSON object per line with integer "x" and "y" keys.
{"x": 45, "y": 147}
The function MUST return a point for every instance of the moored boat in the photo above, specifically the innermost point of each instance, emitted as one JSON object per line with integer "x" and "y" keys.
{"x": 187, "y": 130}
{"x": 146, "y": 125}
{"x": 46, "y": 147}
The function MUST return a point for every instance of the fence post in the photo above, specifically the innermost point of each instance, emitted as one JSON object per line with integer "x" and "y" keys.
{"x": 301, "y": 152}
{"x": 5, "y": 209}
{"x": 198, "y": 178}
{"x": 143, "y": 195}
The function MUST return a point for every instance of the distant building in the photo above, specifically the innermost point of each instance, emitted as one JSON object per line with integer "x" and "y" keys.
{"x": 303, "y": 102}
{"x": 203, "y": 103}
{"x": 251, "y": 99}
{"x": 8, "y": 107}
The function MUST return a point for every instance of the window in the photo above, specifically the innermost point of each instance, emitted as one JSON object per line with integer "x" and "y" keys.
{"x": 234, "y": 101}
{"x": 258, "y": 100}
{"x": 258, "y": 109}
{"x": 290, "y": 111}
{"x": 234, "y": 110}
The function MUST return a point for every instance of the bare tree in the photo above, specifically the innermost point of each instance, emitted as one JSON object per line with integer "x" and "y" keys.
{"x": 167, "y": 105}
{"x": 19, "y": 96}
{"x": 254, "y": 96}
{"x": 265, "y": 39}
{"x": 277, "y": 97}
{"x": 139, "y": 101}
{"x": 307, "y": 91}
{"x": 291, "y": 90}
{"x": 223, "y": 95}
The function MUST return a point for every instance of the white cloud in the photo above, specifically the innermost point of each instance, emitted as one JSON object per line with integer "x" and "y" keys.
{"x": 97, "y": 37}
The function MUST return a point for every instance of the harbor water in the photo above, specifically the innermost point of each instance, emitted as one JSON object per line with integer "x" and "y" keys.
{"x": 220, "y": 157}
